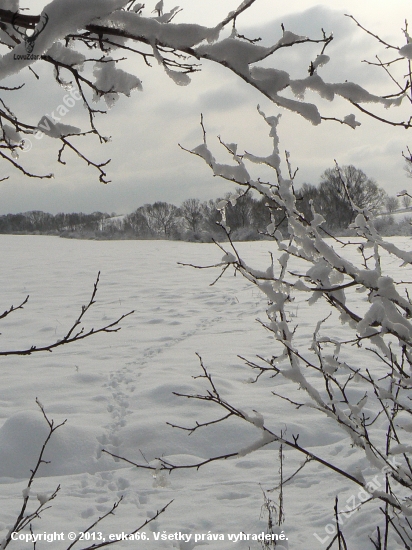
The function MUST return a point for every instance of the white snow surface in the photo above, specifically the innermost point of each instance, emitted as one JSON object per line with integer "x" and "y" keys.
{"x": 116, "y": 391}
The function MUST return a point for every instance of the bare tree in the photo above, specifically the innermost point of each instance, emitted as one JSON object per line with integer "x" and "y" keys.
{"x": 42, "y": 502}
{"x": 74, "y": 334}
{"x": 239, "y": 214}
{"x": 137, "y": 223}
{"x": 39, "y": 503}
{"x": 406, "y": 201}
{"x": 162, "y": 218}
{"x": 340, "y": 191}
{"x": 392, "y": 204}
{"x": 406, "y": 198}
{"x": 192, "y": 213}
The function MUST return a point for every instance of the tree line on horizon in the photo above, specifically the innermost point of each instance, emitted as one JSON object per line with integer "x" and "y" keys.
{"x": 194, "y": 220}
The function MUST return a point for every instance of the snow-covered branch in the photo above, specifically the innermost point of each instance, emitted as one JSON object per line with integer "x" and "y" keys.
{"x": 369, "y": 400}
{"x": 64, "y": 34}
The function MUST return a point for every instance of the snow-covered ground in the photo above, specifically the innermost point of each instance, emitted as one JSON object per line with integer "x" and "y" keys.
{"x": 397, "y": 216}
{"x": 116, "y": 391}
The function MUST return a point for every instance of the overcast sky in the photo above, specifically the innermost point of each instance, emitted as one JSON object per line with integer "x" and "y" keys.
{"x": 147, "y": 163}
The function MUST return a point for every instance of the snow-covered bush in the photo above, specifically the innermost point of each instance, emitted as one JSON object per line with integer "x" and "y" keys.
{"x": 368, "y": 398}
{"x": 365, "y": 395}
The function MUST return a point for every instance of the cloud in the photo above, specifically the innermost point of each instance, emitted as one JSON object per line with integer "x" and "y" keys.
{"x": 348, "y": 48}
{"x": 223, "y": 99}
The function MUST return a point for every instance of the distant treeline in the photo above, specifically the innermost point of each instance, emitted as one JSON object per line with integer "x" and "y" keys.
{"x": 42, "y": 222}
{"x": 194, "y": 220}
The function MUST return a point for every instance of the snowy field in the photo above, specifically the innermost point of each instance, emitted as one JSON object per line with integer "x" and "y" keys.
{"x": 116, "y": 392}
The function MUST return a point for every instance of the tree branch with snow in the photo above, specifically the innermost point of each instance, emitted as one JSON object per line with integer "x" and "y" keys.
{"x": 64, "y": 36}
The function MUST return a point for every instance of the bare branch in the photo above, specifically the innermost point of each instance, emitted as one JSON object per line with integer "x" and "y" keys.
{"x": 74, "y": 334}
{"x": 12, "y": 308}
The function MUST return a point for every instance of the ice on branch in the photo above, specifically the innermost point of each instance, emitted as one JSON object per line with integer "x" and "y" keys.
{"x": 228, "y": 258}
{"x": 272, "y": 80}
{"x": 321, "y": 60}
{"x": 289, "y": 38}
{"x": 384, "y": 313}
{"x": 236, "y": 54}
{"x": 43, "y": 498}
{"x": 257, "y": 420}
{"x": 398, "y": 449}
{"x": 273, "y": 159}
{"x": 179, "y": 78}
{"x": 266, "y": 438}
{"x": 166, "y": 17}
{"x": 235, "y": 173}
